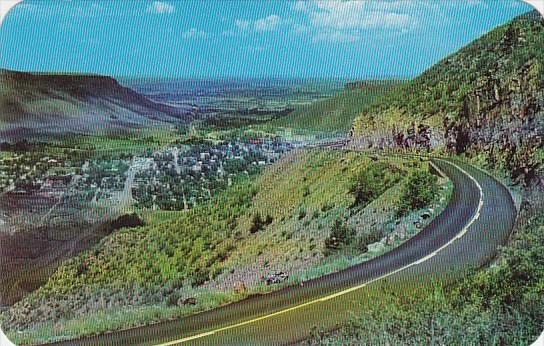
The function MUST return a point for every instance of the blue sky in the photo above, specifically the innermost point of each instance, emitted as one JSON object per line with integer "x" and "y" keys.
{"x": 203, "y": 39}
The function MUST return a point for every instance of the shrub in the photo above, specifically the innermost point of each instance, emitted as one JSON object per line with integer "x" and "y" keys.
{"x": 418, "y": 190}
{"x": 326, "y": 207}
{"x": 341, "y": 235}
{"x": 370, "y": 183}
{"x": 124, "y": 221}
{"x": 199, "y": 277}
{"x": 364, "y": 240}
{"x": 257, "y": 222}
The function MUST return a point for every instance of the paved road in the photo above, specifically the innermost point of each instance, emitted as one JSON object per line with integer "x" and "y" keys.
{"x": 479, "y": 217}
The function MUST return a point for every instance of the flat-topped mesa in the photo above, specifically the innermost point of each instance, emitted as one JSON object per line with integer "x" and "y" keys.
{"x": 80, "y": 86}
{"x": 46, "y": 104}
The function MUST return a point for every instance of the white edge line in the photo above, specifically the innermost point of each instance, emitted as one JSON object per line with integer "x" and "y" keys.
{"x": 6, "y": 6}
{"x": 355, "y": 288}
{"x": 537, "y": 4}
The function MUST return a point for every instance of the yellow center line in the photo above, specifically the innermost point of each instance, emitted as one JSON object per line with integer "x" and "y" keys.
{"x": 352, "y": 289}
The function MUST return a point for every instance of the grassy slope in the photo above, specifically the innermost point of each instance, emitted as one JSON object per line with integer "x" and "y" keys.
{"x": 335, "y": 115}
{"x": 137, "y": 275}
{"x": 305, "y": 194}
{"x": 438, "y": 94}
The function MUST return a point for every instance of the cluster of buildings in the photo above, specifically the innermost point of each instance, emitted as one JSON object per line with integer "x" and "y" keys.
{"x": 31, "y": 172}
{"x": 52, "y": 176}
{"x": 168, "y": 179}
{"x": 178, "y": 180}
{"x": 101, "y": 179}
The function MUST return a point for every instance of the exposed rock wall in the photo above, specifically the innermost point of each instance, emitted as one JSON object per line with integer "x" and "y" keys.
{"x": 503, "y": 120}
{"x": 487, "y": 100}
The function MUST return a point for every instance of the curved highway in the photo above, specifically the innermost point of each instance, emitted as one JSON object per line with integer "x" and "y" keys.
{"x": 478, "y": 218}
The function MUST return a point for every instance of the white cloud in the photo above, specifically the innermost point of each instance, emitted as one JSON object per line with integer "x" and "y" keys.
{"x": 269, "y": 23}
{"x": 301, "y": 6}
{"x": 349, "y": 21}
{"x": 261, "y": 25}
{"x": 193, "y": 33}
{"x": 359, "y": 15}
{"x": 472, "y": 3}
{"x": 92, "y": 9}
{"x": 299, "y": 29}
{"x": 160, "y": 7}
{"x": 242, "y": 25}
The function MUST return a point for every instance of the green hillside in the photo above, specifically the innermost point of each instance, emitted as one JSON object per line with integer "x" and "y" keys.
{"x": 312, "y": 213}
{"x": 484, "y": 102}
{"x": 335, "y": 115}
{"x": 487, "y": 100}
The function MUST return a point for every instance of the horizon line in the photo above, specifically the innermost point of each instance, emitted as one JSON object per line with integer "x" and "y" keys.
{"x": 216, "y": 77}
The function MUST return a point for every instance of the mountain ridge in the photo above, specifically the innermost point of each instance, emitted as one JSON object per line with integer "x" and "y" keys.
{"x": 33, "y": 103}
{"x": 484, "y": 101}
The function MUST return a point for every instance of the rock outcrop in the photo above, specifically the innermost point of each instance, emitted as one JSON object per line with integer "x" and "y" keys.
{"x": 485, "y": 101}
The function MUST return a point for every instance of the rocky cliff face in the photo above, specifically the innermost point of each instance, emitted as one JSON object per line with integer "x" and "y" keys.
{"x": 487, "y": 100}
{"x": 503, "y": 119}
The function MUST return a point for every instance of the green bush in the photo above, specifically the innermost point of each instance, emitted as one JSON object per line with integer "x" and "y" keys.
{"x": 341, "y": 235}
{"x": 418, "y": 190}
{"x": 257, "y": 222}
{"x": 371, "y": 182}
